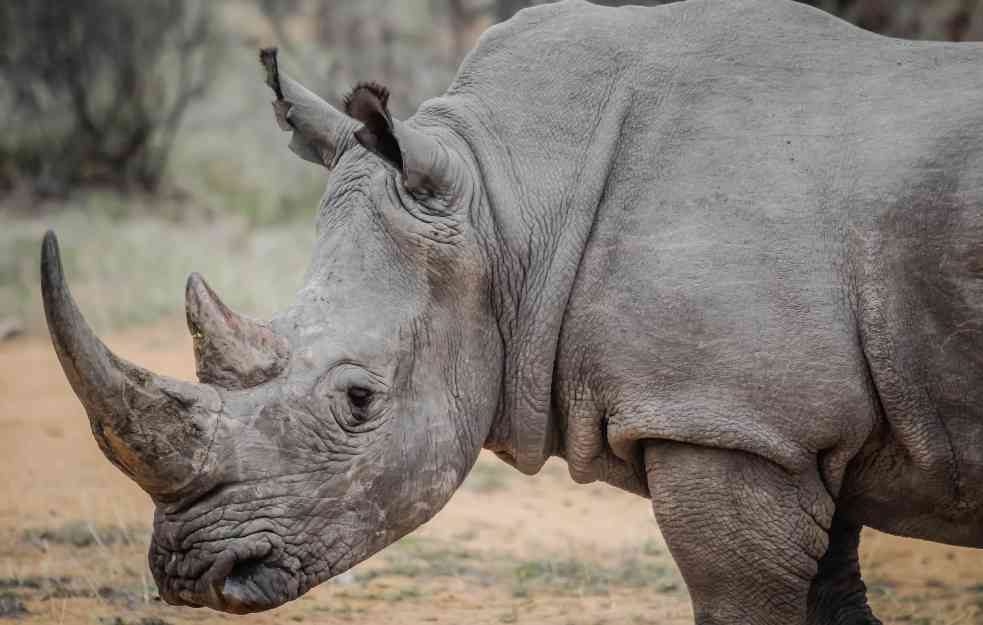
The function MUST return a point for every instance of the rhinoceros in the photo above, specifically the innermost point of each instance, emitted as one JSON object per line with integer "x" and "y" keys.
{"x": 724, "y": 254}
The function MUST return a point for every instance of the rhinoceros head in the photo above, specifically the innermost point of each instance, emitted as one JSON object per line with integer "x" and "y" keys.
{"x": 315, "y": 439}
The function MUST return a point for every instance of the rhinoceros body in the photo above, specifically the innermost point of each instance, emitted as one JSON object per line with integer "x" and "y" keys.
{"x": 724, "y": 254}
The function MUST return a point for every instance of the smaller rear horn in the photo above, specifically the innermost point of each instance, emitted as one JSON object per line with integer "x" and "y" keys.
{"x": 231, "y": 351}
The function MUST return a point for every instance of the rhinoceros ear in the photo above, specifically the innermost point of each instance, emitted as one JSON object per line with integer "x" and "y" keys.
{"x": 320, "y": 132}
{"x": 424, "y": 163}
{"x": 368, "y": 103}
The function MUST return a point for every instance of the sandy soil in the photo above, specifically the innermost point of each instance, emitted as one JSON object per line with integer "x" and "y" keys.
{"x": 507, "y": 549}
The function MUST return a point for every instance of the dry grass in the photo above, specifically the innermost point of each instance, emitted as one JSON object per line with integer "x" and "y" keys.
{"x": 133, "y": 271}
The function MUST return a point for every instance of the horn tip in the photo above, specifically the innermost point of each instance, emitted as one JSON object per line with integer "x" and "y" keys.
{"x": 51, "y": 270}
{"x": 197, "y": 289}
{"x": 194, "y": 290}
{"x": 202, "y": 303}
{"x": 194, "y": 283}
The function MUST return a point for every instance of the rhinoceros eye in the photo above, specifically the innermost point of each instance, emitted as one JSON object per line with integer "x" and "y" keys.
{"x": 359, "y": 399}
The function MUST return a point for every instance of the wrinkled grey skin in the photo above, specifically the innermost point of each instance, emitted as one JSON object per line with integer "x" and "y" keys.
{"x": 725, "y": 254}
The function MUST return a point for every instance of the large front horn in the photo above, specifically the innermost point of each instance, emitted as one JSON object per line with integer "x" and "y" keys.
{"x": 156, "y": 429}
{"x": 231, "y": 351}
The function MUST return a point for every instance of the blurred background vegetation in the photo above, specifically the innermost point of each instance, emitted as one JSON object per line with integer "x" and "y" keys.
{"x": 142, "y": 132}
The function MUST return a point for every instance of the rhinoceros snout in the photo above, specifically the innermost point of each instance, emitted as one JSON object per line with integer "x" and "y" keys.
{"x": 248, "y": 576}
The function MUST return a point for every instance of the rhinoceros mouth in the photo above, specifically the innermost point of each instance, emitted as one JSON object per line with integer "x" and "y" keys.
{"x": 248, "y": 578}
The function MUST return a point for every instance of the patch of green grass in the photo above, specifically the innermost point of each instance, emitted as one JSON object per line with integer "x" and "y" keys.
{"x": 11, "y": 606}
{"x": 344, "y": 610}
{"x": 409, "y": 592}
{"x": 119, "y": 620}
{"x": 421, "y": 557}
{"x": 653, "y": 548}
{"x": 589, "y": 577}
{"x": 85, "y": 534}
{"x": 488, "y": 477}
{"x": 402, "y": 594}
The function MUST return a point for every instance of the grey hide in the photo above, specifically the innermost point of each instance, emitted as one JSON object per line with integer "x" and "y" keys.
{"x": 725, "y": 254}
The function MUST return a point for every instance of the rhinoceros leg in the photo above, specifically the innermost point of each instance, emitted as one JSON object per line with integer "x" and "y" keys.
{"x": 746, "y": 534}
{"x": 838, "y": 595}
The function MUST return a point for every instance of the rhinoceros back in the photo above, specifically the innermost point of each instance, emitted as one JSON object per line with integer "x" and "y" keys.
{"x": 735, "y": 175}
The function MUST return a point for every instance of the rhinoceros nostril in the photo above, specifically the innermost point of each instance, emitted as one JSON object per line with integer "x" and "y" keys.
{"x": 245, "y": 570}
{"x": 246, "y": 587}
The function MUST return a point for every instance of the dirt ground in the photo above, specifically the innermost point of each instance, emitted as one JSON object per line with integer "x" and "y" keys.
{"x": 507, "y": 549}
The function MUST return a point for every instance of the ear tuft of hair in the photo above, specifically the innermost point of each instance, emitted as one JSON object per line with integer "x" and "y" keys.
{"x": 369, "y": 103}
{"x": 367, "y": 98}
